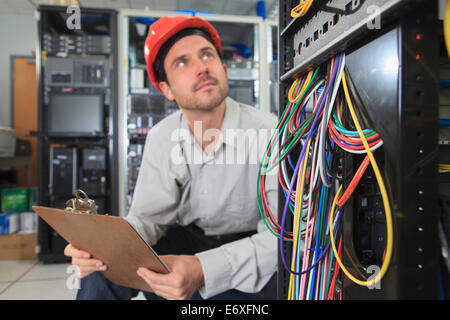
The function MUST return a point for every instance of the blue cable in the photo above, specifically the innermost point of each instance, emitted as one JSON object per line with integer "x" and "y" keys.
{"x": 317, "y": 238}
{"x": 290, "y": 202}
{"x": 290, "y": 161}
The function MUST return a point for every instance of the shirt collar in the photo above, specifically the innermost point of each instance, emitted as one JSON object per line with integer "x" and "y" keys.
{"x": 230, "y": 123}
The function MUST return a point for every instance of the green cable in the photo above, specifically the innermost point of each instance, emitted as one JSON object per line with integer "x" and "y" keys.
{"x": 269, "y": 153}
{"x": 337, "y": 123}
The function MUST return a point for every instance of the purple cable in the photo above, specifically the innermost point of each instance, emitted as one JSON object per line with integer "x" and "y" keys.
{"x": 291, "y": 187}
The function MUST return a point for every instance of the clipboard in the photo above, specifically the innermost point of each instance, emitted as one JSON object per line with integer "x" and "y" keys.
{"x": 110, "y": 239}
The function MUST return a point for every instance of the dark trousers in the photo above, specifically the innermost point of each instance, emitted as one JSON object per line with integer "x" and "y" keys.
{"x": 178, "y": 240}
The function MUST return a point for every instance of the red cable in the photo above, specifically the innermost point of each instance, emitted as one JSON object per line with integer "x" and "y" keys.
{"x": 355, "y": 181}
{"x": 336, "y": 271}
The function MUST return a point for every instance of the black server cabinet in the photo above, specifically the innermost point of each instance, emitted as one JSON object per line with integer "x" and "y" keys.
{"x": 77, "y": 103}
{"x": 408, "y": 125}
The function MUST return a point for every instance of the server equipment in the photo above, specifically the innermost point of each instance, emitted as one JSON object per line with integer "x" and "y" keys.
{"x": 364, "y": 223}
{"x": 77, "y": 114}
{"x": 77, "y": 95}
{"x": 63, "y": 45}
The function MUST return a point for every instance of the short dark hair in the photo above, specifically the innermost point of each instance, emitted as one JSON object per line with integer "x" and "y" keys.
{"x": 158, "y": 65}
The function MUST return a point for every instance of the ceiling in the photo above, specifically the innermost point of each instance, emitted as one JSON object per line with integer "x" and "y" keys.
{"x": 233, "y": 7}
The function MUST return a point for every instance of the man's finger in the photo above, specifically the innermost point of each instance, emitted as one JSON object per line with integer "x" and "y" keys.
{"x": 86, "y": 270}
{"x": 168, "y": 292}
{"x": 86, "y": 262}
{"x": 96, "y": 265}
{"x": 170, "y": 279}
{"x": 71, "y": 251}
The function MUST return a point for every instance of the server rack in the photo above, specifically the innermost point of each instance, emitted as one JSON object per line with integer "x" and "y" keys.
{"x": 77, "y": 114}
{"x": 409, "y": 127}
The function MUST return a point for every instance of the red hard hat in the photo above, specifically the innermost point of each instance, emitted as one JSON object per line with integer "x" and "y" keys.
{"x": 166, "y": 27}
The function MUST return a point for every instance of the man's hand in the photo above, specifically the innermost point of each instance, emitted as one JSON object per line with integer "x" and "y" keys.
{"x": 185, "y": 278}
{"x": 83, "y": 260}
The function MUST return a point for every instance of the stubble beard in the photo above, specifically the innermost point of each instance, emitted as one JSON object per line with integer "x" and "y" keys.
{"x": 212, "y": 100}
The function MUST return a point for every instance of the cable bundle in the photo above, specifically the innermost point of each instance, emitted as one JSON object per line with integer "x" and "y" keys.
{"x": 312, "y": 184}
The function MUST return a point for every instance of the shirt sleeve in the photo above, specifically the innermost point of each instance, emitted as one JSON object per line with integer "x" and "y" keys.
{"x": 246, "y": 264}
{"x": 156, "y": 194}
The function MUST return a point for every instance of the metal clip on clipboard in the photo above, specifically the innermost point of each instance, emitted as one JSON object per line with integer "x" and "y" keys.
{"x": 81, "y": 203}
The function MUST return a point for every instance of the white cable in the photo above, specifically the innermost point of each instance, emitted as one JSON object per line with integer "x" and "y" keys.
{"x": 375, "y": 147}
{"x": 325, "y": 119}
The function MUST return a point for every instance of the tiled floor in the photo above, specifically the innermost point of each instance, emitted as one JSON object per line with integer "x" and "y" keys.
{"x": 31, "y": 280}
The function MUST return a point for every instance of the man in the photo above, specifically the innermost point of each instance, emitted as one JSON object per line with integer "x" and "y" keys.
{"x": 193, "y": 203}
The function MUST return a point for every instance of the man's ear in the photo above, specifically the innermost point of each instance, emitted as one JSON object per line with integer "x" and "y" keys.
{"x": 165, "y": 88}
{"x": 225, "y": 68}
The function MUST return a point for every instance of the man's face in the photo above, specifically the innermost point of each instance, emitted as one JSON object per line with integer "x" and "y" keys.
{"x": 196, "y": 77}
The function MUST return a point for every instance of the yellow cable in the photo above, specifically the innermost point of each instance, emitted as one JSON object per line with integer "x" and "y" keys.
{"x": 298, "y": 213}
{"x": 301, "y": 9}
{"x": 294, "y": 84}
{"x": 447, "y": 26}
{"x": 444, "y": 168}
{"x": 300, "y": 187}
{"x": 387, "y": 208}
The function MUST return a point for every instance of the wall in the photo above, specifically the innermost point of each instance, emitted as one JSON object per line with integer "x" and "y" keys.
{"x": 442, "y": 4}
{"x": 18, "y": 36}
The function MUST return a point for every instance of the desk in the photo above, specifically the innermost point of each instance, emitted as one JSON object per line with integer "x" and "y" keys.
{"x": 7, "y": 163}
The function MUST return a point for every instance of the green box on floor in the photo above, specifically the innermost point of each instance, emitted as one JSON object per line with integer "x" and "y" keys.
{"x": 14, "y": 199}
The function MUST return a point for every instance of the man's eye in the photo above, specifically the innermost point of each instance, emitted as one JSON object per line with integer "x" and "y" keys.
{"x": 207, "y": 56}
{"x": 181, "y": 64}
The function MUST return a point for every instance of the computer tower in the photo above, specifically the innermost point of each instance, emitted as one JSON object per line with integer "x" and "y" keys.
{"x": 93, "y": 172}
{"x": 63, "y": 171}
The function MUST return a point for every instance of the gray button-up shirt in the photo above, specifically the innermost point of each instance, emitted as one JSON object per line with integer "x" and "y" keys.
{"x": 179, "y": 184}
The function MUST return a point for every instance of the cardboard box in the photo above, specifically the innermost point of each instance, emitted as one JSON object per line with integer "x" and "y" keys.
{"x": 18, "y": 246}
{"x": 28, "y": 222}
{"x": 9, "y": 222}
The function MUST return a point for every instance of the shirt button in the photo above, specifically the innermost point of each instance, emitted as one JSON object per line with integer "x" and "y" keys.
{"x": 205, "y": 191}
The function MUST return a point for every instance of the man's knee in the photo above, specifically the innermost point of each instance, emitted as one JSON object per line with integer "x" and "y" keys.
{"x": 97, "y": 287}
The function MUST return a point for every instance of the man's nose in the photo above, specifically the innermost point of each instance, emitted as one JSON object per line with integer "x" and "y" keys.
{"x": 201, "y": 67}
